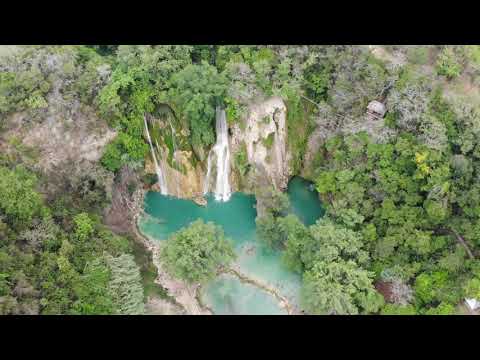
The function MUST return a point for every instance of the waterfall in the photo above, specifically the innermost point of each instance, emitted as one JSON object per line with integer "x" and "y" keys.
{"x": 174, "y": 155}
{"x": 173, "y": 136}
{"x": 158, "y": 170}
{"x": 207, "y": 177}
{"x": 221, "y": 152}
{"x": 161, "y": 180}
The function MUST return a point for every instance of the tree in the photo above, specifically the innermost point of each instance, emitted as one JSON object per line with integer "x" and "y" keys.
{"x": 44, "y": 233}
{"x": 442, "y": 309}
{"x": 138, "y": 85}
{"x": 359, "y": 77}
{"x": 83, "y": 226}
{"x": 472, "y": 288}
{"x": 93, "y": 292}
{"x": 195, "y": 253}
{"x": 275, "y": 232}
{"x": 141, "y": 78}
{"x": 296, "y": 234}
{"x": 339, "y": 287}
{"x": 331, "y": 257}
{"x": 272, "y": 204}
{"x": 125, "y": 284}
{"x": 271, "y": 201}
{"x": 410, "y": 104}
{"x": 197, "y": 90}
{"x": 428, "y": 286}
{"x": 125, "y": 148}
{"x": 268, "y": 231}
{"x": 318, "y": 80}
{"x": 330, "y": 242}
{"x": 447, "y": 63}
{"x": 20, "y": 201}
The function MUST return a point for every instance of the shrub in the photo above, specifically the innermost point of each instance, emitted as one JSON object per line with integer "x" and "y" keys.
{"x": 447, "y": 64}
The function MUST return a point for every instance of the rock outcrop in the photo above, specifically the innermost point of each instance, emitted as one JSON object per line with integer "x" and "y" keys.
{"x": 185, "y": 184}
{"x": 263, "y": 135}
{"x": 58, "y": 140}
{"x": 124, "y": 206}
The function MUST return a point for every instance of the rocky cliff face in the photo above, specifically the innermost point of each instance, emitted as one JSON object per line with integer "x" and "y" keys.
{"x": 186, "y": 183}
{"x": 58, "y": 140}
{"x": 263, "y": 136}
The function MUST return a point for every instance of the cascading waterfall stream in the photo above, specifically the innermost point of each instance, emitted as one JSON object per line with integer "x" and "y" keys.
{"x": 162, "y": 181}
{"x": 221, "y": 151}
{"x": 207, "y": 177}
{"x": 174, "y": 149}
{"x": 158, "y": 170}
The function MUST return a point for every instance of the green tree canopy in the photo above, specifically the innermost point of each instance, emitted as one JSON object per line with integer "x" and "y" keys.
{"x": 20, "y": 200}
{"x": 196, "y": 252}
{"x": 197, "y": 90}
{"x": 339, "y": 287}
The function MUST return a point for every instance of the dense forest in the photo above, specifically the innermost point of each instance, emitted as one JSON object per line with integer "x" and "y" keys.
{"x": 401, "y": 233}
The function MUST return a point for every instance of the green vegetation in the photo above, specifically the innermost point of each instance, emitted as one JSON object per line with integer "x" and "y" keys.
{"x": 197, "y": 90}
{"x": 268, "y": 141}
{"x": 148, "y": 272}
{"x": 330, "y": 257}
{"x": 339, "y": 288}
{"x": 197, "y": 252}
{"x": 138, "y": 85}
{"x": 401, "y": 193}
{"x": 404, "y": 195}
{"x": 447, "y": 64}
{"x": 299, "y": 127}
{"x": 400, "y": 204}
{"x": 241, "y": 160}
{"x": 232, "y": 110}
{"x": 122, "y": 150}
{"x": 20, "y": 202}
{"x": 318, "y": 80}
{"x": 60, "y": 264}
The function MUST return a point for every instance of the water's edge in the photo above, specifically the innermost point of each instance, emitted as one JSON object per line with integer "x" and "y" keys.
{"x": 184, "y": 297}
{"x": 199, "y": 295}
{"x": 155, "y": 248}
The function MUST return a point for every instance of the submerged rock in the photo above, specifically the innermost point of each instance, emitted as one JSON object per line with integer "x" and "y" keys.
{"x": 200, "y": 201}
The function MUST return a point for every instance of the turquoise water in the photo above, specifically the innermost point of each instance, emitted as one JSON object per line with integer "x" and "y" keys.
{"x": 304, "y": 201}
{"x": 237, "y": 217}
{"x": 228, "y": 295}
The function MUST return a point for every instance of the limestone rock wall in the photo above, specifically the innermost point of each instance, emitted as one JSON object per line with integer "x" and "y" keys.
{"x": 264, "y": 135}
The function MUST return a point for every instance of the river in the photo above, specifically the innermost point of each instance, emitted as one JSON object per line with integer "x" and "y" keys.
{"x": 227, "y": 294}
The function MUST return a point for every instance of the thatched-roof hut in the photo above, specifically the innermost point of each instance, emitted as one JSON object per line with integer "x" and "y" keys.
{"x": 376, "y": 109}
{"x": 473, "y": 304}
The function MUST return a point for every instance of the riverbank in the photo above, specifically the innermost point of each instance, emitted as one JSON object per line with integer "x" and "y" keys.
{"x": 189, "y": 298}
{"x": 258, "y": 282}
{"x": 185, "y": 296}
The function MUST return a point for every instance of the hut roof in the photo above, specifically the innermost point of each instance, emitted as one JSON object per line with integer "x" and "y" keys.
{"x": 377, "y": 107}
{"x": 473, "y": 304}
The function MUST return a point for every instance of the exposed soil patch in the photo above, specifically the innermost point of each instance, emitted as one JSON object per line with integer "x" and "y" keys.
{"x": 59, "y": 140}
{"x": 385, "y": 288}
{"x": 157, "y": 306}
{"x": 125, "y": 203}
